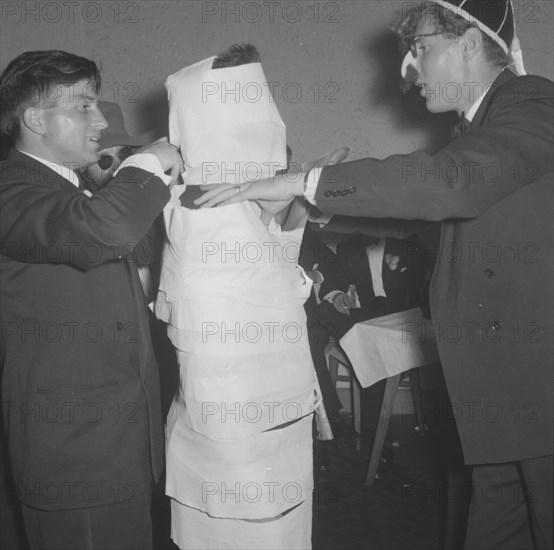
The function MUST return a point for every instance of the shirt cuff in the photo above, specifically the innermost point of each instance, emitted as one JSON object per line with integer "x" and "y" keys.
{"x": 322, "y": 219}
{"x": 330, "y": 296}
{"x": 317, "y": 276}
{"x": 148, "y": 162}
{"x": 312, "y": 179}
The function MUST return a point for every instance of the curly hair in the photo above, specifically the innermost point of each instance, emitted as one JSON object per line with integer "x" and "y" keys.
{"x": 30, "y": 79}
{"x": 447, "y": 22}
{"x": 235, "y": 55}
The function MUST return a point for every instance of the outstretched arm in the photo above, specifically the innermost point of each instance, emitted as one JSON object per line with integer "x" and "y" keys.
{"x": 281, "y": 188}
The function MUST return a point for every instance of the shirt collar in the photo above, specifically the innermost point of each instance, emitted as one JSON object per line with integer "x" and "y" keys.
{"x": 60, "y": 169}
{"x": 470, "y": 113}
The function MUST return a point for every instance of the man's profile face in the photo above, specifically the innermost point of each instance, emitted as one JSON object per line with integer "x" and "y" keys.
{"x": 439, "y": 68}
{"x": 72, "y": 125}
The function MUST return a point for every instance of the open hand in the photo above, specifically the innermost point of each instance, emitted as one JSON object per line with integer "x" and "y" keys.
{"x": 281, "y": 187}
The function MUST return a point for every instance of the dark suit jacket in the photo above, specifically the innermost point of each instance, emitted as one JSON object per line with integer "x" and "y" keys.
{"x": 80, "y": 387}
{"x": 402, "y": 279}
{"x": 491, "y": 293}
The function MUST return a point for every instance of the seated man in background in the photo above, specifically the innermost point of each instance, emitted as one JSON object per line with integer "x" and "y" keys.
{"x": 371, "y": 278}
{"x": 366, "y": 278}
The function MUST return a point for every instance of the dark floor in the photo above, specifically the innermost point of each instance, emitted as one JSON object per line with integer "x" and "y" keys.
{"x": 405, "y": 509}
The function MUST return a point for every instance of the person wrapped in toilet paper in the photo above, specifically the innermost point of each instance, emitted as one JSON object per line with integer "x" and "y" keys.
{"x": 239, "y": 432}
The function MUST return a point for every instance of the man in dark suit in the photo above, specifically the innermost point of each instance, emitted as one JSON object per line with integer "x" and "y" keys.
{"x": 80, "y": 389}
{"x": 491, "y": 292}
{"x": 367, "y": 278}
{"x": 370, "y": 278}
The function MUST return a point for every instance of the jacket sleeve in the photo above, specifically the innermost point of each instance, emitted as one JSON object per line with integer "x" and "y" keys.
{"x": 336, "y": 274}
{"x": 371, "y": 227}
{"x": 149, "y": 249}
{"x": 511, "y": 150}
{"x": 46, "y": 223}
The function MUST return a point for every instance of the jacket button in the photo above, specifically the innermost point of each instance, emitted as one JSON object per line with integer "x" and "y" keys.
{"x": 496, "y": 325}
{"x": 343, "y": 193}
{"x": 489, "y": 273}
{"x": 327, "y": 193}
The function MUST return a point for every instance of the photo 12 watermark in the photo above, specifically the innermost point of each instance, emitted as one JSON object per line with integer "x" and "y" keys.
{"x": 271, "y": 11}
{"x": 287, "y": 92}
{"x": 76, "y": 11}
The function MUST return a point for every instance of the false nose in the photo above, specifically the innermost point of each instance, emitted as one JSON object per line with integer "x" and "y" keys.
{"x": 408, "y": 63}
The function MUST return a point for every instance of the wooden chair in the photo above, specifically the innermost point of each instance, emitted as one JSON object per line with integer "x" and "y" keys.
{"x": 335, "y": 357}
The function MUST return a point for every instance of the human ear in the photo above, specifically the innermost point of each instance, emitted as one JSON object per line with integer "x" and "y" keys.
{"x": 471, "y": 43}
{"x": 32, "y": 119}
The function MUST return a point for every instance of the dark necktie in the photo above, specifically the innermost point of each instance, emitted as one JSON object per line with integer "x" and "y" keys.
{"x": 462, "y": 127}
{"x": 85, "y": 184}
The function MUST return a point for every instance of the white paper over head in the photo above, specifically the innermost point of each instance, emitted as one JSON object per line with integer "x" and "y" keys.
{"x": 226, "y": 123}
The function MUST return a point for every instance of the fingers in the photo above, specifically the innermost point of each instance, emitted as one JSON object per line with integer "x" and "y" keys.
{"x": 222, "y": 194}
{"x": 342, "y": 304}
{"x": 226, "y": 197}
{"x": 341, "y": 309}
{"x": 175, "y": 172}
{"x": 214, "y": 195}
{"x": 176, "y": 167}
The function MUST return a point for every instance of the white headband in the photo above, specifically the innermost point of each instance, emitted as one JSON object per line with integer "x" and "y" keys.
{"x": 458, "y": 10}
{"x": 516, "y": 53}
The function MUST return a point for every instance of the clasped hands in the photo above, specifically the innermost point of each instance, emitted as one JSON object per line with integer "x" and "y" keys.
{"x": 281, "y": 187}
{"x": 343, "y": 303}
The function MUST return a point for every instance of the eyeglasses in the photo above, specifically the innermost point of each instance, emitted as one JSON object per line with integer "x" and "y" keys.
{"x": 413, "y": 45}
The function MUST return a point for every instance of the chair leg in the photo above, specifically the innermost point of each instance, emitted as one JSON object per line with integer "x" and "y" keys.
{"x": 356, "y": 403}
{"x": 415, "y": 384}
{"x": 333, "y": 368}
{"x": 382, "y": 427}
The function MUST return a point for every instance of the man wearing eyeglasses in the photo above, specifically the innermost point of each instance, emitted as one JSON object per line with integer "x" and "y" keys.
{"x": 491, "y": 293}
{"x": 80, "y": 387}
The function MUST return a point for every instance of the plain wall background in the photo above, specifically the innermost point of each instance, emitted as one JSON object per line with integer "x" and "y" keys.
{"x": 333, "y": 65}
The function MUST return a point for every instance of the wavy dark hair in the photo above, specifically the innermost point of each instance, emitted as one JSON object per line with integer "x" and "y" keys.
{"x": 447, "y": 22}
{"x": 30, "y": 79}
